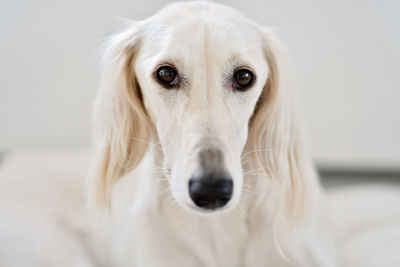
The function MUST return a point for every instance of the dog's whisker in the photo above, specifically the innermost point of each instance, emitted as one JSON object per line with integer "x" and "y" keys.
{"x": 262, "y": 168}
{"x": 255, "y": 151}
{"x": 248, "y": 189}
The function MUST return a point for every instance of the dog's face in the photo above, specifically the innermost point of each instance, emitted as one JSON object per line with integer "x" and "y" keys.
{"x": 200, "y": 78}
{"x": 203, "y": 81}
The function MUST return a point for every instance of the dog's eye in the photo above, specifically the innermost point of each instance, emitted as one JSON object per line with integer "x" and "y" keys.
{"x": 242, "y": 79}
{"x": 167, "y": 76}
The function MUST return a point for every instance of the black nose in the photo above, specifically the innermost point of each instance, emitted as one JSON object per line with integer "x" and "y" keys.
{"x": 209, "y": 192}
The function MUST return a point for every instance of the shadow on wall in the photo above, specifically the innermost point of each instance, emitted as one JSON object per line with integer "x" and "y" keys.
{"x": 334, "y": 177}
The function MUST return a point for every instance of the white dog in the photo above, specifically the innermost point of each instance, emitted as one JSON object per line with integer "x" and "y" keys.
{"x": 194, "y": 99}
{"x": 200, "y": 161}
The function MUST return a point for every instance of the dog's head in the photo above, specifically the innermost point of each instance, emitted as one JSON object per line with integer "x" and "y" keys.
{"x": 202, "y": 83}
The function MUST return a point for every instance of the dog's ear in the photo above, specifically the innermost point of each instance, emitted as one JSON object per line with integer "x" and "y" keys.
{"x": 121, "y": 126}
{"x": 275, "y": 139}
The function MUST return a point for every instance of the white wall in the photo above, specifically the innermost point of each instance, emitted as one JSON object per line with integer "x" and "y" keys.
{"x": 346, "y": 52}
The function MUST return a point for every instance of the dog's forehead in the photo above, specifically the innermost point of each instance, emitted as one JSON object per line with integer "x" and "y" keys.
{"x": 224, "y": 37}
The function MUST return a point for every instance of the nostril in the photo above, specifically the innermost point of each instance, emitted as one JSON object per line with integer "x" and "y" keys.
{"x": 222, "y": 202}
{"x": 210, "y": 193}
{"x": 201, "y": 202}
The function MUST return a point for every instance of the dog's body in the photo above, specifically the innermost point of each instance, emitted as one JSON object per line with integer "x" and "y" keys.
{"x": 202, "y": 128}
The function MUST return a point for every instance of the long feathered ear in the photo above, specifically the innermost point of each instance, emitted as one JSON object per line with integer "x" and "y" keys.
{"x": 121, "y": 126}
{"x": 275, "y": 136}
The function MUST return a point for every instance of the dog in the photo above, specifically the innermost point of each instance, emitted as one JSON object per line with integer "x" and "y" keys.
{"x": 194, "y": 107}
{"x": 199, "y": 161}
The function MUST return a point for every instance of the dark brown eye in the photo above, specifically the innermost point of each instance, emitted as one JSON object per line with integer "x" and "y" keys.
{"x": 167, "y": 76}
{"x": 242, "y": 79}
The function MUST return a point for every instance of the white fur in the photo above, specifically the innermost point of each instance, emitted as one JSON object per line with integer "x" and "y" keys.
{"x": 147, "y": 140}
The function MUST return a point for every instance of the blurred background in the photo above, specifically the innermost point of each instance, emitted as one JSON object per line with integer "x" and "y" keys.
{"x": 346, "y": 55}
